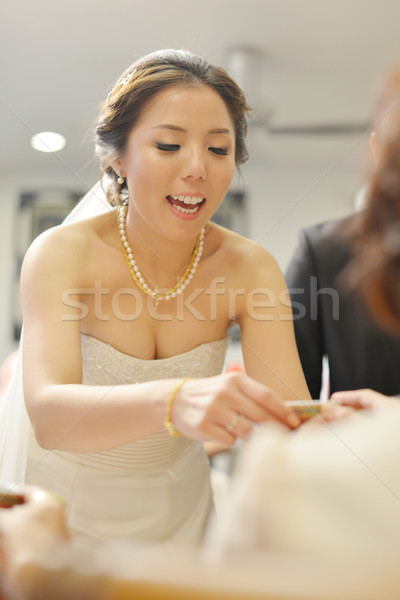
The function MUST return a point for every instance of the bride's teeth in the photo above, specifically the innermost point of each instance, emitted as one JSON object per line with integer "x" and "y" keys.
{"x": 188, "y": 199}
{"x": 187, "y": 210}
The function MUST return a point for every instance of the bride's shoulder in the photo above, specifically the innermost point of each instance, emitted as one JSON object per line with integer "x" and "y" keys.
{"x": 235, "y": 248}
{"x": 245, "y": 263}
{"x": 68, "y": 244}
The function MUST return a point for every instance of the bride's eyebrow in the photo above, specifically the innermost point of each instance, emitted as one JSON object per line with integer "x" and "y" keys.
{"x": 222, "y": 130}
{"x": 168, "y": 126}
{"x": 181, "y": 129}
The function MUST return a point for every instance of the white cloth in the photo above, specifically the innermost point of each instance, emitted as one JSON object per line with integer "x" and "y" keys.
{"x": 331, "y": 491}
{"x": 14, "y": 427}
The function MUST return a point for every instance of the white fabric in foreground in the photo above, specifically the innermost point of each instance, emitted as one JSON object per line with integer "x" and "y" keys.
{"x": 329, "y": 490}
{"x": 14, "y": 420}
{"x": 14, "y": 428}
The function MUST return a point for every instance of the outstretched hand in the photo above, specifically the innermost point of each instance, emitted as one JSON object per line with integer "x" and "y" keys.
{"x": 363, "y": 399}
{"x": 349, "y": 403}
{"x": 226, "y": 407}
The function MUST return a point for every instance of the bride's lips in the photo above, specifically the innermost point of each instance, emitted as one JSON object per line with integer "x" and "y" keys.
{"x": 186, "y": 206}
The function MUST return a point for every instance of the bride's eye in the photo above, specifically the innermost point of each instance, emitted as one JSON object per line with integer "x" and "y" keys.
{"x": 167, "y": 147}
{"x": 221, "y": 151}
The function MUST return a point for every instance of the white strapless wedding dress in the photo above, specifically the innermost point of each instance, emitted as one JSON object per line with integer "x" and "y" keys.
{"x": 154, "y": 490}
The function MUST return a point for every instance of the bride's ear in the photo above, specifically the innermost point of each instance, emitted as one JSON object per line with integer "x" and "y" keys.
{"x": 118, "y": 168}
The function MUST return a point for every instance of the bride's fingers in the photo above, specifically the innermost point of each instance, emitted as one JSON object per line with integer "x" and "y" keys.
{"x": 251, "y": 410}
{"x": 208, "y": 409}
{"x": 221, "y": 435}
{"x": 239, "y": 425}
{"x": 266, "y": 404}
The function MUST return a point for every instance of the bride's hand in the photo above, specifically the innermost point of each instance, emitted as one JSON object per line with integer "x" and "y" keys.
{"x": 226, "y": 407}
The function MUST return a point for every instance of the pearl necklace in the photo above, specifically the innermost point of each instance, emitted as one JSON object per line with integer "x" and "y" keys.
{"x": 138, "y": 276}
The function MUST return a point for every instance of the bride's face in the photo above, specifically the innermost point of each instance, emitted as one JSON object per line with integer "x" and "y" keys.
{"x": 179, "y": 161}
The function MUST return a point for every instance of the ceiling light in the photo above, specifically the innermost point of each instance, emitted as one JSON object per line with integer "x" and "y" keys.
{"x": 47, "y": 141}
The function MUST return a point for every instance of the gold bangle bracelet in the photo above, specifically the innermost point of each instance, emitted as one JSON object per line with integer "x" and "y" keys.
{"x": 168, "y": 420}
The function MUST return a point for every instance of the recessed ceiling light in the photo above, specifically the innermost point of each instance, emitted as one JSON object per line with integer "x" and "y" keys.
{"x": 47, "y": 141}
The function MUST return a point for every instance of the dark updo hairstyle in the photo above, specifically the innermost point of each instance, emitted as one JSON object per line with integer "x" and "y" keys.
{"x": 376, "y": 270}
{"x": 140, "y": 83}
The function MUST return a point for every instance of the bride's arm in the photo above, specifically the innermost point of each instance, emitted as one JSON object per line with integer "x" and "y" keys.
{"x": 65, "y": 413}
{"x": 265, "y": 318}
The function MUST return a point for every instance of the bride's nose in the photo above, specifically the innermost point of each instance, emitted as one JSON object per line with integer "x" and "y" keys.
{"x": 194, "y": 165}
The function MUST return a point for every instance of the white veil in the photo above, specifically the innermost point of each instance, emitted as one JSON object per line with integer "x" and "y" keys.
{"x": 14, "y": 420}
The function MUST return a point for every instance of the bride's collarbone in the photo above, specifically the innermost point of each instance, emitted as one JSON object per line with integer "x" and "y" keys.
{"x": 128, "y": 303}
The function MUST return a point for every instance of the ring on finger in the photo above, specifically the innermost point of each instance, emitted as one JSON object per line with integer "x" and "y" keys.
{"x": 233, "y": 422}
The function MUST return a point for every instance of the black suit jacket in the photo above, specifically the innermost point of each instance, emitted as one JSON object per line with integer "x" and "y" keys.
{"x": 331, "y": 321}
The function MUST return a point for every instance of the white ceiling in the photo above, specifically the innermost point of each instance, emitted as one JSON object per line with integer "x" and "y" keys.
{"x": 322, "y": 62}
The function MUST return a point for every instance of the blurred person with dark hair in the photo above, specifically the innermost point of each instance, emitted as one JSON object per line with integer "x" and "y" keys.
{"x": 329, "y": 319}
{"x": 374, "y": 273}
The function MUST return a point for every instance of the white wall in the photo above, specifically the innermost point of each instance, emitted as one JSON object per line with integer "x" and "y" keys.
{"x": 7, "y": 196}
{"x": 297, "y": 182}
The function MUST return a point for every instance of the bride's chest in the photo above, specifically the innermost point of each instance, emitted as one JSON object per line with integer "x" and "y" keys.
{"x": 140, "y": 325}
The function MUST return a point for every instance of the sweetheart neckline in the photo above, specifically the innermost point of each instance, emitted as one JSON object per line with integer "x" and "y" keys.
{"x": 226, "y": 337}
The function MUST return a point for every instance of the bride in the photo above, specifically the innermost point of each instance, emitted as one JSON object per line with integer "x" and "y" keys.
{"x": 126, "y": 316}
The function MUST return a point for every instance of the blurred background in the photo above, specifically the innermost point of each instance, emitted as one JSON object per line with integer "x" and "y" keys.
{"x": 310, "y": 69}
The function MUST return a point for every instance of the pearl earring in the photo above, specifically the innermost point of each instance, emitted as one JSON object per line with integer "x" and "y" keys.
{"x": 120, "y": 180}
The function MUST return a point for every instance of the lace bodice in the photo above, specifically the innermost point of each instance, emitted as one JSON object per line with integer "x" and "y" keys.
{"x": 104, "y": 365}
